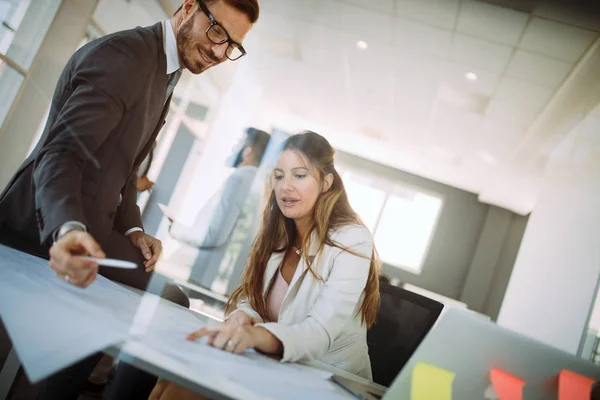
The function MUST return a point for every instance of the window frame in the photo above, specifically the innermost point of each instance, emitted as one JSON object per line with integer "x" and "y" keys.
{"x": 388, "y": 185}
{"x": 24, "y": 71}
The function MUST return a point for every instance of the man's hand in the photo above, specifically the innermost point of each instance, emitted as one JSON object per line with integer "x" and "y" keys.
{"x": 150, "y": 247}
{"x": 64, "y": 260}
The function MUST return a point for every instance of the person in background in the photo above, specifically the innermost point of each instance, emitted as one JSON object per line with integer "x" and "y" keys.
{"x": 314, "y": 252}
{"x": 76, "y": 193}
{"x": 215, "y": 222}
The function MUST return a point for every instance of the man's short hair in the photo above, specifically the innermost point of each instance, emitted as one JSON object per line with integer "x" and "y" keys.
{"x": 248, "y": 7}
{"x": 258, "y": 141}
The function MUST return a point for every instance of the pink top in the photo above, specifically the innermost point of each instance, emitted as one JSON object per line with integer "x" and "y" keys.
{"x": 276, "y": 295}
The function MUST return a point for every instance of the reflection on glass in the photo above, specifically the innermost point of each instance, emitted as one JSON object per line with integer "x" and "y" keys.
{"x": 405, "y": 229}
{"x": 365, "y": 198}
{"x": 23, "y": 28}
{"x": 10, "y": 82}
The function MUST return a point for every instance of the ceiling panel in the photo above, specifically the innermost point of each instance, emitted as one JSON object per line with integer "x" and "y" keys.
{"x": 272, "y": 6}
{"x": 491, "y": 22}
{"x": 584, "y": 14}
{"x": 519, "y": 5}
{"x": 455, "y": 76}
{"x": 418, "y": 74}
{"x": 382, "y": 6}
{"x": 421, "y": 38}
{"x": 369, "y": 25}
{"x": 376, "y": 90}
{"x": 479, "y": 53}
{"x": 316, "y": 11}
{"x": 523, "y": 93}
{"x": 413, "y": 104}
{"x": 325, "y": 46}
{"x": 440, "y": 13}
{"x": 510, "y": 115}
{"x": 557, "y": 40}
{"x": 360, "y": 62}
{"x": 537, "y": 69}
{"x": 409, "y": 89}
{"x": 273, "y": 23}
{"x": 498, "y": 139}
{"x": 453, "y": 128}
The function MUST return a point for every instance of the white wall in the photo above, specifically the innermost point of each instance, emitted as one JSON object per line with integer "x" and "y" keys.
{"x": 118, "y": 15}
{"x": 554, "y": 280}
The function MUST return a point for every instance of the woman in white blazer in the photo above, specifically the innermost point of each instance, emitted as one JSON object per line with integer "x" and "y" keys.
{"x": 310, "y": 288}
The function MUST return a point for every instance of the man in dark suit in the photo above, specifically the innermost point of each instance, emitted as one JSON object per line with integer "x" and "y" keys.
{"x": 76, "y": 193}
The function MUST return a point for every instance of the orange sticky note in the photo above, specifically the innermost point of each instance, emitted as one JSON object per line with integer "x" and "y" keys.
{"x": 572, "y": 386}
{"x": 507, "y": 386}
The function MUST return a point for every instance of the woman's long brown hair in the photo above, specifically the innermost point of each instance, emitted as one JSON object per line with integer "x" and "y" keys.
{"x": 332, "y": 211}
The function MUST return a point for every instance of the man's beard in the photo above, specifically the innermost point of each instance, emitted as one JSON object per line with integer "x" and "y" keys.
{"x": 186, "y": 46}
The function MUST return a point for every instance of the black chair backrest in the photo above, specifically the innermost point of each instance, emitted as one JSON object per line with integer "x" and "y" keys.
{"x": 403, "y": 320}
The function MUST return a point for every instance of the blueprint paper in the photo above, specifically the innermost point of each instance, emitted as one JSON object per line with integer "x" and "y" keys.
{"x": 266, "y": 377}
{"x": 53, "y": 324}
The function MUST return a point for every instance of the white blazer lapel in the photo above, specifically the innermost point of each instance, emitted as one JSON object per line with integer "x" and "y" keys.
{"x": 313, "y": 246}
{"x": 272, "y": 266}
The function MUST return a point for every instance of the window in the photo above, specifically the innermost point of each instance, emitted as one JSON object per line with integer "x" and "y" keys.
{"x": 365, "y": 198}
{"x": 22, "y": 30}
{"x": 405, "y": 229}
{"x": 402, "y": 218}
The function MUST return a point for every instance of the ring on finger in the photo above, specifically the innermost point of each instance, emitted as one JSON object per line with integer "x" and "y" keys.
{"x": 67, "y": 278}
{"x": 230, "y": 344}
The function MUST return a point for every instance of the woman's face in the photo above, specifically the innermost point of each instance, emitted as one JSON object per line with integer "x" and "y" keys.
{"x": 295, "y": 185}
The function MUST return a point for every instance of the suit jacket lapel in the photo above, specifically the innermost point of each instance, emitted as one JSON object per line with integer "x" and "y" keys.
{"x": 160, "y": 82}
{"x": 150, "y": 142}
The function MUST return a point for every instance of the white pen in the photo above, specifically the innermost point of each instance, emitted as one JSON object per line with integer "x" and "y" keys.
{"x": 110, "y": 262}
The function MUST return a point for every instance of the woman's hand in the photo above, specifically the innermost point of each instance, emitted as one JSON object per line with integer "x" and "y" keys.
{"x": 236, "y": 338}
{"x": 239, "y": 317}
{"x": 228, "y": 336}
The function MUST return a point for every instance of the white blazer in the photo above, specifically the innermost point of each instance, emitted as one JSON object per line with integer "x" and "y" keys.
{"x": 319, "y": 320}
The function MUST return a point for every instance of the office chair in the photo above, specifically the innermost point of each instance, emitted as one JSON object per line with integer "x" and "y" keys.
{"x": 403, "y": 320}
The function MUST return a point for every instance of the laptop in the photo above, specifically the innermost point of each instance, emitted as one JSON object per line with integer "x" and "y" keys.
{"x": 360, "y": 390}
{"x": 470, "y": 346}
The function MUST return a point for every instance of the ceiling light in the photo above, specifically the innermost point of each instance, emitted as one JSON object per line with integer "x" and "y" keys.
{"x": 472, "y": 76}
{"x": 361, "y": 44}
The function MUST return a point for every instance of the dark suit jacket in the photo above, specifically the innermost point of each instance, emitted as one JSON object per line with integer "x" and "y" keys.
{"x": 110, "y": 99}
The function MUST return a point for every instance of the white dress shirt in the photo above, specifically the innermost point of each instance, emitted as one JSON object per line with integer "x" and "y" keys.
{"x": 170, "y": 45}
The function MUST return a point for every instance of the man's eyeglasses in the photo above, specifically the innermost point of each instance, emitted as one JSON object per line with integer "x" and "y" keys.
{"x": 218, "y": 35}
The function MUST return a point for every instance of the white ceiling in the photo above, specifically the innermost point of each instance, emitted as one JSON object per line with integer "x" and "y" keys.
{"x": 405, "y": 101}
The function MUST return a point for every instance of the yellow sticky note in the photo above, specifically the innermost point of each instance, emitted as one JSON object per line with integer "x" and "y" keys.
{"x": 431, "y": 383}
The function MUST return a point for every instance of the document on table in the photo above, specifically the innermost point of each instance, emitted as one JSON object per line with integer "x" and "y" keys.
{"x": 266, "y": 377}
{"x": 53, "y": 324}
